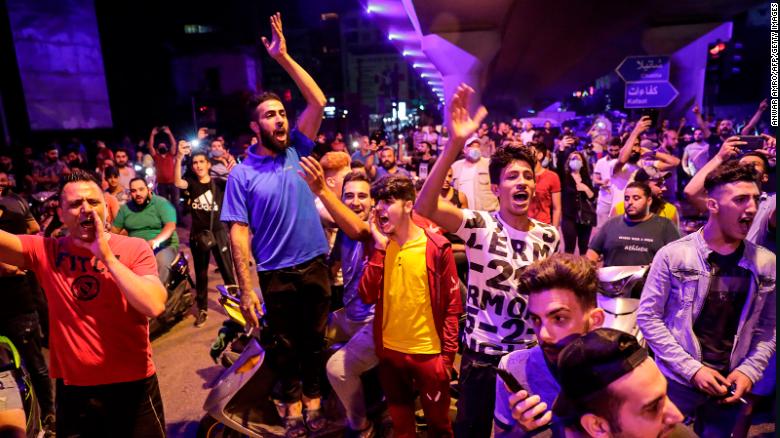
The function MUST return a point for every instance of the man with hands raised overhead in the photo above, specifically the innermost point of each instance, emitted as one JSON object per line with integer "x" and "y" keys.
{"x": 266, "y": 195}
{"x": 498, "y": 246}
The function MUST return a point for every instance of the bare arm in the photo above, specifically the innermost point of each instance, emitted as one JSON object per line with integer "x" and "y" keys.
{"x": 694, "y": 191}
{"x": 167, "y": 231}
{"x": 429, "y": 204}
{"x": 239, "y": 243}
{"x": 11, "y": 250}
{"x": 593, "y": 256}
{"x": 171, "y": 139}
{"x": 756, "y": 117}
{"x": 625, "y": 152}
{"x": 346, "y": 219}
{"x": 177, "y": 179}
{"x": 705, "y": 129}
{"x": 667, "y": 161}
{"x": 152, "y": 149}
{"x": 310, "y": 119}
{"x": 144, "y": 292}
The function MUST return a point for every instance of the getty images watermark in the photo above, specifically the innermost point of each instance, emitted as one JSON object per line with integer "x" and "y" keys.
{"x": 773, "y": 52}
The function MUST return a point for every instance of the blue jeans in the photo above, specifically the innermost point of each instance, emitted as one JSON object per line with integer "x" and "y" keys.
{"x": 710, "y": 418}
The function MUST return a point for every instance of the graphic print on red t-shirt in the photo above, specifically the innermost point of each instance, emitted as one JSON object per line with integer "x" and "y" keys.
{"x": 96, "y": 337}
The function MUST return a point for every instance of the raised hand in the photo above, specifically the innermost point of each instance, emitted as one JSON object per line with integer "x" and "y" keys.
{"x": 730, "y": 148}
{"x": 763, "y": 105}
{"x": 155, "y": 131}
{"x": 313, "y": 174}
{"x": 97, "y": 241}
{"x": 696, "y": 109}
{"x": 463, "y": 124}
{"x": 277, "y": 48}
{"x": 643, "y": 125}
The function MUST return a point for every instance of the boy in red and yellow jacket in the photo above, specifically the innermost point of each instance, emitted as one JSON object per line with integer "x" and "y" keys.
{"x": 416, "y": 289}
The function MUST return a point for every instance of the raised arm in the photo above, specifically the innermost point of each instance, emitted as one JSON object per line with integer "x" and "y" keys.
{"x": 144, "y": 292}
{"x": 152, "y": 149}
{"x": 625, "y": 152}
{"x": 694, "y": 191}
{"x": 11, "y": 250}
{"x": 346, "y": 219}
{"x": 705, "y": 128}
{"x": 177, "y": 179}
{"x": 429, "y": 204}
{"x": 171, "y": 139}
{"x": 756, "y": 117}
{"x": 310, "y": 119}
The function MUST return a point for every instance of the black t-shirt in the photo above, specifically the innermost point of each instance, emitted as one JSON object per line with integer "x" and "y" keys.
{"x": 202, "y": 202}
{"x": 16, "y": 290}
{"x": 715, "y": 142}
{"x": 422, "y": 167}
{"x": 633, "y": 243}
{"x": 717, "y": 323}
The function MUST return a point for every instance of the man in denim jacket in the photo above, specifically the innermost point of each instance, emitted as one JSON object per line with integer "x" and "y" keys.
{"x": 708, "y": 306}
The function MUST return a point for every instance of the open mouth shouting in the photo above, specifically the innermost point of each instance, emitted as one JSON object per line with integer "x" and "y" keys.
{"x": 521, "y": 196}
{"x": 280, "y": 135}
{"x": 744, "y": 223}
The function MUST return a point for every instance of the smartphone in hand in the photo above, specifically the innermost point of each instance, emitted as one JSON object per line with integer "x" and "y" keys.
{"x": 754, "y": 142}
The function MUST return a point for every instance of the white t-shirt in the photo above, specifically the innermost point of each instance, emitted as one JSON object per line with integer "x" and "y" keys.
{"x": 496, "y": 312}
{"x": 698, "y": 154}
{"x": 527, "y": 136}
{"x": 620, "y": 179}
{"x": 464, "y": 181}
{"x": 604, "y": 167}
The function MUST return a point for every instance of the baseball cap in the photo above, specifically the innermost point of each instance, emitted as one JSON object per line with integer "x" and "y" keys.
{"x": 590, "y": 363}
{"x": 472, "y": 139}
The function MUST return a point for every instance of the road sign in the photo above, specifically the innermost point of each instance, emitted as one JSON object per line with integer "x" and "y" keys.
{"x": 644, "y": 68}
{"x": 649, "y": 94}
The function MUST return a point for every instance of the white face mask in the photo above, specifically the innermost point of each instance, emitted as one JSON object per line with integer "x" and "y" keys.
{"x": 473, "y": 154}
{"x": 575, "y": 165}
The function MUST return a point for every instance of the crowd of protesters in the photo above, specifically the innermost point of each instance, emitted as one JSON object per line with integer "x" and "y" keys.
{"x": 436, "y": 244}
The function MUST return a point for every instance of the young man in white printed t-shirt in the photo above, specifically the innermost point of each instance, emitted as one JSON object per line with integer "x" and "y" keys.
{"x": 499, "y": 246}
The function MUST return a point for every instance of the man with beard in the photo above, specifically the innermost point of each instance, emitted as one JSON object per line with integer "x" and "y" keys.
{"x": 352, "y": 324}
{"x": 602, "y": 173}
{"x": 126, "y": 171}
{"x": 696, "y": 154}
{"x": 471, "y": 176}
{"x": 388, "y": 165}
{"x": 611, "y": 388}
{"x": 633, "y": 238}
{"x": 708, "y": 306}
{"x": 153, "y": 219}
{"x": 498, "y": 246}
{"x": 48, "y": 172}
{"x": 101, "y": 289}
{"x": 264, "y": 193}
{"x": 725, "y": 129}
{"x": 561, "y": 307}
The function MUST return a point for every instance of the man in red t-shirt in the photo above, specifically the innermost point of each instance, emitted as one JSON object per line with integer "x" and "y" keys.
{"x": 164, "y": 155}
{"x": 546, "y": 204}
{"x": 101, "y": 290}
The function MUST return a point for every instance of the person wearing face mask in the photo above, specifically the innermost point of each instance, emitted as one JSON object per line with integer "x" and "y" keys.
{"x": 546, "y": 202}
{"x": 578, "y": 196}
{"x": 471, "y": 177}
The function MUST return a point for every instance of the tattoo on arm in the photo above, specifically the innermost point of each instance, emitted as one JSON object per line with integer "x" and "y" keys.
{"x": 239, "y": 243}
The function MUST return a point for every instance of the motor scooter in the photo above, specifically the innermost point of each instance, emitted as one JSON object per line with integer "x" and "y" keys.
{"x": 619, "y": 291}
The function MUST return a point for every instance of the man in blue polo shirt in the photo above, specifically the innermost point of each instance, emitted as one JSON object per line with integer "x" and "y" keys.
{"x": 266, "y": 195}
